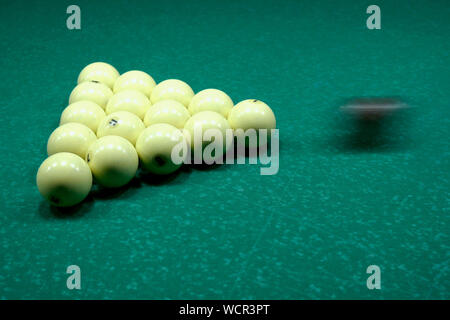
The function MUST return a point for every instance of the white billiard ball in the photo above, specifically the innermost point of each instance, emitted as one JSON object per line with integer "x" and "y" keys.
{"x": 172, "y": 89}
{"x": 199, "y": 124}
{"x": 101, "y": 72}
{"x": 121, "y": 123}
{"x": 154, "y": 147}
{"x": 167, "y": 111}
{"x": 85, "y": 112}
{"x": 91, "y": 91}
{"x": 129, "y": 100}
{"x": 64, "y": 179}
{"x": 211, "y": 100}
{"x": 113, "y": 161}
{"x": 135, "y": 80}
{"x": 71, "y": 137}
{"x": 251, "y": 114}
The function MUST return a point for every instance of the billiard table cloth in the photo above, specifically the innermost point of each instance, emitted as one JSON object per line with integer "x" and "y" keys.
{"x": 343, "y": 199}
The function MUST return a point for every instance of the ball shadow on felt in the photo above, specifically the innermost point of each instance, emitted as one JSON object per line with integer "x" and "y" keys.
{"x": 103, "y": 193}
{"x": 48, "y": 211}
{"x": 386, "y": 134}
{"x": 177, "y": 177}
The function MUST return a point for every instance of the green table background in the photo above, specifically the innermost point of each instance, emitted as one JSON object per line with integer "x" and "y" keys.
{"x": 309, "y": 232}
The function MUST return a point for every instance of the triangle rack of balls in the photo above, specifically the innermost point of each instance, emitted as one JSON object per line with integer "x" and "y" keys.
{"x": 115, "y": 123}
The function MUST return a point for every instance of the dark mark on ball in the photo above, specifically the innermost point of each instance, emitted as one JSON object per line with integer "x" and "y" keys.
{"x": 160, "y": 161}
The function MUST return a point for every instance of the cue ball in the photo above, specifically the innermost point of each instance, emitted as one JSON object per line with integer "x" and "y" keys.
{"x": 135, "y": 80}
{"x": 91, "y": 91}
{"x": 71, "y": 137}
{"x": 211, "y": 100}
{"x": 113, "y": 161}
{"x": 154, "y": 147}
{"x": 121, "y": 123}
{"x": 129, "y": 100}
{"x": 204, "y": 121}
{"x": 167, "y": 111}
{"x": 100, "y": 72}
{"x": 172, "y": 89}
{"x": 64, "y": 179}
{"x": 85, "y": 112}
{"x": 373, "y": 109}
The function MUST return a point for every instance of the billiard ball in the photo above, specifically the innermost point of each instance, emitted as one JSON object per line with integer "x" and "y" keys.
{"x": 135, "y": 80}
{"x": 85, "y": 112}
{"x": 71, "y": 137}
{"x": 211, "y": 100}
{"x": 154, "y": 147}
{"x": 113, "y": 161}
{"x": 172, "y": 89}
{"x": 200, "y": 123}
{"x": 64, "y": 179}
{"x": 121, "y": 123}
{"x": 129, "y": 100}
{"x": 100, "y": 72}
{"x": 251, "y": 114}
{"x": 167, "y": 111}
{"x": 91, "y": 91}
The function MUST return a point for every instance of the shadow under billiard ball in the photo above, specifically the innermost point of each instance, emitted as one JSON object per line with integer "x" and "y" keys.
{"x": 48, "y": 211}
{"x": 373, "y": 124}
{"x": 104, "y": 193}
{"x": 160, "y": 179}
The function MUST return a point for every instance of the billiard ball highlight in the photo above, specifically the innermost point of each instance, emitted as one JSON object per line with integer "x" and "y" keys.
{"x": 211, "y": 100}
{"x": 121, "y": 123}
{"x": 172, "y": 89}
{"x": 100, "y": 72}
{"x": 154, "y": 147}
{"x": 85, "y": 112}
{"x": 64, "y": 179}
{"x": 197, "y": 126}
{"x": 113, "y": 161}
{"x": 135, "y": 80}
{"x": 71, "y": 137}
{"x": 167, "y": 111}
{"x": 91, "y": 91}
{"x": 129, "y": 100}
{"x": 251, "y": 114}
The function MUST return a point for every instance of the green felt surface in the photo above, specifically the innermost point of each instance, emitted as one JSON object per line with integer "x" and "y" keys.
{"x": 337, "y": 204}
